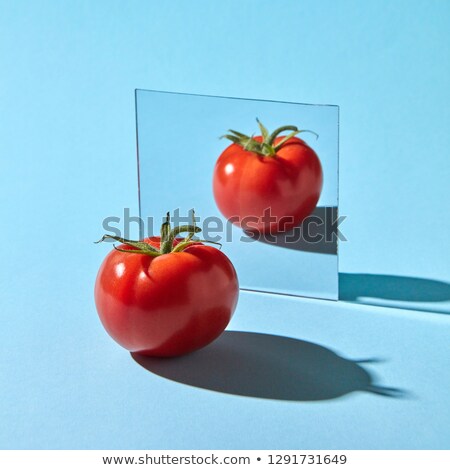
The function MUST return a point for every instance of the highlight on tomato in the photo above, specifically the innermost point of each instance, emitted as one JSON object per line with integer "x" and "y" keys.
{"x": 267, "y": 183}
{"x": 165, "y": 295}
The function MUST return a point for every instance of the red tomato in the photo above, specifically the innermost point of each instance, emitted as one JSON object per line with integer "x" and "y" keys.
{"x": 166, "y": 304}
{"x": 267, "y": 186}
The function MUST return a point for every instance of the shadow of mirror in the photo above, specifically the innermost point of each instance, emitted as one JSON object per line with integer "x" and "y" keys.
{"x": 267, "y": 366}
{"x": 316, "y": 234}
{"x": 353, "y": 286}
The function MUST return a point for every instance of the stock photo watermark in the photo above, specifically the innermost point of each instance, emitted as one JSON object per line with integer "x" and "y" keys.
{"x": 321, "y": 227}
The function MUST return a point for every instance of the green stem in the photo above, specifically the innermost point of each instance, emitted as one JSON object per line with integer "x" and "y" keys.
{"x": 281, "y": 129}
{"x": 265, "y": 146}
{"x": 166, "y": 236}
{"x": 167, "y": 239}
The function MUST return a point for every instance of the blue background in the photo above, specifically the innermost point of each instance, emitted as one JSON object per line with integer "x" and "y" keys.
{"x": 67, "y": 146}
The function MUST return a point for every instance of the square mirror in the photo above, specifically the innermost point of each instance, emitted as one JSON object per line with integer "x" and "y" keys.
{"x": 179, "y": 143}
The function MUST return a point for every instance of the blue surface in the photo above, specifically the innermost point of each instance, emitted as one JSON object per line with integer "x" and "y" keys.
{"x": 178, "y": 134}
{"x": 67, "y": 144}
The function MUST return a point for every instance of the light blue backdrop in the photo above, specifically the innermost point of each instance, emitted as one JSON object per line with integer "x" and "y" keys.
{"x": 67, "y": 149}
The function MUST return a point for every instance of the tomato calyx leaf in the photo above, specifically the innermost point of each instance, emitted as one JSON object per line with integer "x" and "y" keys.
{"x": 266, "y": 145}
{"x": 167, "y": 240}
{"x": 139, "y": 246}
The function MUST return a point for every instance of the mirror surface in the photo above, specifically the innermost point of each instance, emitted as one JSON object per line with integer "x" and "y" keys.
{"x": 178, "y": 146}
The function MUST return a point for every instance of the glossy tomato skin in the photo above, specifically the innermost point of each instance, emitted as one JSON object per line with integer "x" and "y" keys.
{"x": 268, "y": 194}
{"x": 169, "y": 305}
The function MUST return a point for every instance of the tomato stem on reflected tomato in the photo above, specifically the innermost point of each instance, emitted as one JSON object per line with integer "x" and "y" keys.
{"x": 264, "y": 146}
